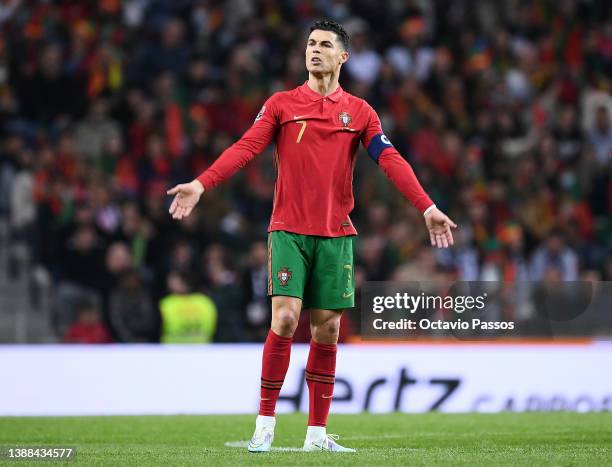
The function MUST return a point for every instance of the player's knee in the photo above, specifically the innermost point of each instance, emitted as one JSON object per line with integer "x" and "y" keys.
{"x": 327, "y": 332}
{"x": 284, "y": 321}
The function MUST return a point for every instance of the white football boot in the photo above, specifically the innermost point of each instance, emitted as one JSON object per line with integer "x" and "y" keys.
{"x": 264, "y": 434}
{"x": 318, "y": 440}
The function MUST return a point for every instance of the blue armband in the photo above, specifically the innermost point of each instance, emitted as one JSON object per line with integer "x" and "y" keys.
{"x": 377, "y": 144}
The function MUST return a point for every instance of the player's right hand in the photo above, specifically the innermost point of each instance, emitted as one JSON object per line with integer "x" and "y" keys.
{"x": 186, "y": 197}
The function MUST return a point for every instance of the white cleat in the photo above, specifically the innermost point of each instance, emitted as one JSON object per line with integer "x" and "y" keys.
{"x": 327, "y": 443}
{"x": 262, "y": 438}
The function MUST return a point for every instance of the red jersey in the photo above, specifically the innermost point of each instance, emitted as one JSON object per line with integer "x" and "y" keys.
{"x": 316, "y": 140}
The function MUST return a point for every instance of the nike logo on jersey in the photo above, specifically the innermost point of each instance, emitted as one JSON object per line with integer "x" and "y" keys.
{"x": 297, "y": 117}
{"x": 326, "y": 397}
{"x": 347, "y": 295}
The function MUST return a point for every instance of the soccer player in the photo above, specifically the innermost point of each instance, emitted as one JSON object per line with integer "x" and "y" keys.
{"x": 317, "y": 128}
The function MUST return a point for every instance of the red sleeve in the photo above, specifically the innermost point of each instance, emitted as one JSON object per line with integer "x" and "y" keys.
{"x": 254, "y": 140}
{"x": 395, "y": 167}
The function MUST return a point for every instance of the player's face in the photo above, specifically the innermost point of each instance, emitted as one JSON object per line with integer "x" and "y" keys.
{"x": 324, "y": 54}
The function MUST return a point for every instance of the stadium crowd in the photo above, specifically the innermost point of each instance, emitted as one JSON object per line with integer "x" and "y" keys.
{"x": 502, "y": 108}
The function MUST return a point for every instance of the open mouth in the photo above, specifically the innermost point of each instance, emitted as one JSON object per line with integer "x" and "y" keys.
{"x": 315, "y": 60}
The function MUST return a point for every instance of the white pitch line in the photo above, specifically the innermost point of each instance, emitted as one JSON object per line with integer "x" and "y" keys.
{"x": 244, "y": 444}
{"x": 376, "y": 437}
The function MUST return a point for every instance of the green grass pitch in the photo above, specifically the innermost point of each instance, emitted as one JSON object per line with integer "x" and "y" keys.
{"x": 396, "y": 439}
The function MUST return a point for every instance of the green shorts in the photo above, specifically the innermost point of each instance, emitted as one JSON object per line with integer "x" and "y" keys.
{"x": 319, "y": 270}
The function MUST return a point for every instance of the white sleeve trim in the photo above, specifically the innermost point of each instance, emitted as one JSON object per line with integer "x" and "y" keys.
{"x": 429, "y": 209}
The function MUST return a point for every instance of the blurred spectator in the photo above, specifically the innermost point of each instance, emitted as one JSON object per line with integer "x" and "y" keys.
{"x": 504, "y": 113}
{"x": 255, "y": 292}
{"x": 133, "y": 315}
{"x": 92, "y": 133}
{"x": 170, "y": 53}
{"x": 118, "y": 260}
{"x": 48, "y": 93}
{"x": 364, "y": 64}
{"x": 187, "y": 317}
{"x": 87, "y": 329}
{"x": 411, "y": 57}
{"x": 222, "y": 282}
{"x": 82, "y": 274}
{"x": 568, "y": 136}
{"x": 82, "y": 259}
{"x": 600, "y": 136}
{"x": 23, "y": 210}
{"x": 9, "y": 155}
{"x": 136, "y": 232}
{"x": 554, "y": 260}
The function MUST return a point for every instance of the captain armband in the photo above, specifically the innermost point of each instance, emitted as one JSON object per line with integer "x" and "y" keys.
{"x": 377, "y": 144}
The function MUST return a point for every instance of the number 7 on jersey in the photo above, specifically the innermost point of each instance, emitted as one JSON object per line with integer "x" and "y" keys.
{"x": 303, "y": 122}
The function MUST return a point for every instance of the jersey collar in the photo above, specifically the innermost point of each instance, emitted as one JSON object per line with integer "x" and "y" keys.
{"x": 315, "y": 96}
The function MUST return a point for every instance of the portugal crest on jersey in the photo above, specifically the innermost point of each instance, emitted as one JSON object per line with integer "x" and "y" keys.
{"x": 345, "y": 118}
{"x": 284, "y": 275}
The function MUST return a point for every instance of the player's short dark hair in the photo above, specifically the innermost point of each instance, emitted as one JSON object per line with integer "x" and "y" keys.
{"x": 330, "y": 25}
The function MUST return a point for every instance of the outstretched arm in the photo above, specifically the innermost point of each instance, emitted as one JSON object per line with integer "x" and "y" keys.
{"x": 400, "y": 172}
{"x": 254, "y": 140}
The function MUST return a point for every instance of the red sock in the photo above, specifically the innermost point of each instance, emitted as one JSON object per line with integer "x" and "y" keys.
{"x": 320, "y": 377}
{"x": 275, "y": 361}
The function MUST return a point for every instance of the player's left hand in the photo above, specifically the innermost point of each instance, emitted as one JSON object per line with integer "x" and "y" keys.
{"x": 439, "y": 226}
